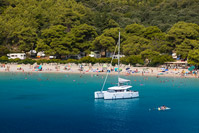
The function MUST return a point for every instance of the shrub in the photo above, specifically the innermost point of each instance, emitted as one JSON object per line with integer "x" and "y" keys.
{"x": 123, "y": 60}
{"x": 88, "y": 59}
{"x": 134, "y": 59}
{"x": 4, "y": 59}
{"x": 15, "y": 60}
{"x": 72, "y": 61}
{"x": 103, "y": 60}
{"x": 27, "y": 61}
{"x": 41, "y": 61}
{"x": 160, "y": 59}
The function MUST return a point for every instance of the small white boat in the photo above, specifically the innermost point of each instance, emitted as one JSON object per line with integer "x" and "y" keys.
{"x": 163, "y": 108}
{"x": 117, "y": 92}
{"x": 121, "y": 91}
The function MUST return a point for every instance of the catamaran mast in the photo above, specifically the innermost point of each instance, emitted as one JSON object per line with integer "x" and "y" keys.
{"x": 118, "y": 60}
{"x": 111, "y": 63}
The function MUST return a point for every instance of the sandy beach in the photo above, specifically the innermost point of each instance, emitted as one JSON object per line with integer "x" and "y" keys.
{"x": 95, "y": 69}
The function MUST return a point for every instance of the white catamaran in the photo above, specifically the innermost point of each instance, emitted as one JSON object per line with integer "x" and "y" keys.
{"x": 122, "y": 90}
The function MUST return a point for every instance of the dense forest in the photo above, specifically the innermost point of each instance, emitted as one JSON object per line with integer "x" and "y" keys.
{"x": 150, "y": 29}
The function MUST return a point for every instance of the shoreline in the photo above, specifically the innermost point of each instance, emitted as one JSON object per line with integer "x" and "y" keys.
{"x": 74, "y": 69}
{"x": 103, "y": 73}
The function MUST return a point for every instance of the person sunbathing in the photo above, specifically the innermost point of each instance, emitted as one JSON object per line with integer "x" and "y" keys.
{"x": 163, "y": 107}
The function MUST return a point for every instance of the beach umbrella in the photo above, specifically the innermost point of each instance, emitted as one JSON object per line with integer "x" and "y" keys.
{"x": 191, "y": 68}
{"x": 67, "y": 66}
{"x": 162, "y": 68}
{"x": 40, "y": 67}
{"x": 104, "y": 65}
{"x": 19, "y": 66}
{"x": 116, "y": 69}
{"x": 127, "y": 68}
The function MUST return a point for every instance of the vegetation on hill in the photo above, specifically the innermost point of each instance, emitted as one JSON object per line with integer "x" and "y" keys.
{"x": 150, "y": 29}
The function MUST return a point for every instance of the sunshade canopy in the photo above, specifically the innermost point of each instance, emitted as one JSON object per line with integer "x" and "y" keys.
{"x": 104, "y": 65}
{"x": 40, "y": 67}
{"x": 127, "y": 68}
{"x": 121, "y": 80}
{"x": 191, "y": 68}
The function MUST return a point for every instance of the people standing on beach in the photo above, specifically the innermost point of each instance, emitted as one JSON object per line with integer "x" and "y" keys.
{"x": 195, "y": 73}
{"x": 90, "y": 67}
{"x": 8, "y": 68}
{"x": 182, "y": 73}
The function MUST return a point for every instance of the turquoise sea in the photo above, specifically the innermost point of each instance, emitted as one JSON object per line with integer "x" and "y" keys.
{"x": 64, "y": 103}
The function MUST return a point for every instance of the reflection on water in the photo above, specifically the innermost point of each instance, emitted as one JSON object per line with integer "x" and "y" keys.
{"x": 121, "y": 106}
{"x": 116, "y": 104}
{"x": 116, "y": 113}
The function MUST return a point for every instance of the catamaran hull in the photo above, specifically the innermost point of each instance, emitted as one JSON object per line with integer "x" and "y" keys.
{"x": 121, "y": 95}
{"x": 116, "y": 95}
{"x": 99, "y": 94}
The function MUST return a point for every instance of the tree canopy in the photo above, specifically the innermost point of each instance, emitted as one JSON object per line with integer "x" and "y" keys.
{"x": 149, "y": 29}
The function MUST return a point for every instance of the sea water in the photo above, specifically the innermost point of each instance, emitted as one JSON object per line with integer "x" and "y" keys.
{"x": 64, "y": 103}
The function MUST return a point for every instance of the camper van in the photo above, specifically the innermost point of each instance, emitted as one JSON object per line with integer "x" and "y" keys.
{"x": 21, "y": 56}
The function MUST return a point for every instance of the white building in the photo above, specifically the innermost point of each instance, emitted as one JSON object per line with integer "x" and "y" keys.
{"x": 32, "y": 53}
{"x": 41, "y": 54}
{"x": 174, "y": 55}
{"x": 21, "y": 56}
{"x": 52, "y": 57}
{"x": 116, "y": 56}
{"x": 95, "y": 54}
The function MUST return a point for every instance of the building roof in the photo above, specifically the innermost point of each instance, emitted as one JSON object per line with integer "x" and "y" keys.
{"x": 16, "y": 53}
{"x": 177, "y": 62}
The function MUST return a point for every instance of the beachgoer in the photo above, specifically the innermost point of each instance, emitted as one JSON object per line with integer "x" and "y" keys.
{"x": 163, "y": 107}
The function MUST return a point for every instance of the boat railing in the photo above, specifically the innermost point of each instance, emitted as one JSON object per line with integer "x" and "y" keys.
{"x": 111, "y": 91}
{"x": 124, "y": 86}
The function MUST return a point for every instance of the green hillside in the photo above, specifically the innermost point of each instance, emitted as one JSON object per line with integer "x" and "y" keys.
{"x": 161, "y": 13}
{"x": 150, "y": 28}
